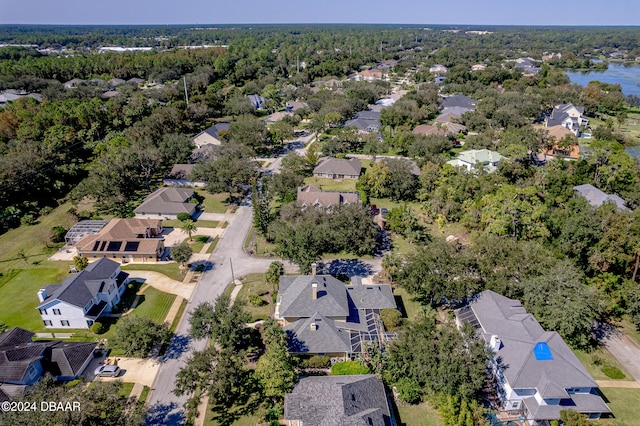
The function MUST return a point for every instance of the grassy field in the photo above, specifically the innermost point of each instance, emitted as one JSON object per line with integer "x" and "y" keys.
{"x": 171, "y": 270}
{"x": 346, "y": 185}
{"x": 32, "y": 240}
{"x": 197, "y": 242}
{"x": 176, "y": 320}
{"x": 19, "y": 291}
{"x": 418, "y": 415}
{"x": 125, "y": 389}
{"x": 412, "y": 309}
{"x": 154, "y": 304}
{"x": 246, "y": 420}
{"x": 144, "y": 394}
{"x": 254, "y": 284}
{"x": 214, "y": 203}
{"x": 625, "y": 404}
{"x": 599, "y": 356}
{"x": 213, "y": 245}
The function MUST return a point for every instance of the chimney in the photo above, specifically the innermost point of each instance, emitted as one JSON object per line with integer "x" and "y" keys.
{"x": 313, "y": 326}
{"x": 314, "y": 268}
{"x": 314, "y": 291}
{"x": 42, "y": 294}
{"x": 495, "y": 343}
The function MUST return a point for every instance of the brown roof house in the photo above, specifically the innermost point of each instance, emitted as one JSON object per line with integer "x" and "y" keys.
{"x": 167, "y": 203}
{"x": 125, "y": 240}
{"x": 214, "y": 135}
{"x": 322, "y": 315}
{"x": 338, "y": 401}
{"x": 338, "y": 168}
{"x": 312, "y": 196}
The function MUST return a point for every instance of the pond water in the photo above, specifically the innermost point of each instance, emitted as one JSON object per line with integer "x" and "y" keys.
{"x": 626, "y": 75}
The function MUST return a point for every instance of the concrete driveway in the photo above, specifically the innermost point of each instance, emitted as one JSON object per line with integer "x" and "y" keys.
{"x": 625, "y": 350}
{"x": 163, "y": 283}
{"x": 134, "y": 370}
{"x": 174, "y": 236}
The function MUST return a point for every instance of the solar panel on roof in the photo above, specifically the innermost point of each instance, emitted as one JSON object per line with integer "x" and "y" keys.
{"x": 131, "y": 246}
{"x": 114, "y": 245}
{"x": 542, "y": 352}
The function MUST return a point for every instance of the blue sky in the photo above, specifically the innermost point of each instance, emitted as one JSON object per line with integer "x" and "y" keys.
{"x": 502, "y": 12}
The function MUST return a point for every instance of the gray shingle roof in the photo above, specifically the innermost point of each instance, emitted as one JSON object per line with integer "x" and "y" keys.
{"x": 15, "y": 360}
{"x": 338, "y": 401}
{"x": 312, "y": 196}
{"x": 15, "y": 336}
{"x": 297, "y": 296}
{"x": 366, "y": 125}
{"x": 459, "y": 101}
{"x": 318, "y": 334}
{"x": 371, "y": 296}
{"x": 67, "y": 358}
{"x": 519, "y": 333}
{"x": 338, "y": 166}
{"x": 596, "y": 197}
{"x": 80, "y": 288}
{"x": 168, "y": 201}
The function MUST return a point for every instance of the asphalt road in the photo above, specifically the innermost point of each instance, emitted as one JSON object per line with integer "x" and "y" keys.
{"x": 625, "y": 350}
{"x": 166, "y": 408}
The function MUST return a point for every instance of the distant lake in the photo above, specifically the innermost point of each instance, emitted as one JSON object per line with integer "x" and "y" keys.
{"x": 627, "y": 76}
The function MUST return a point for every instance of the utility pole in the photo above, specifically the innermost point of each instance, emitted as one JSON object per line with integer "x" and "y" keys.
{"x": 232, "y": 276}
{"x": 298, "y": 64}
{"x": 186, "y": 94}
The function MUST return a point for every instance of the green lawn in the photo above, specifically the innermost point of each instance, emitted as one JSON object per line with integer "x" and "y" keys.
{"x": 144, "y": 394}
{"x": 254, "y": 284}
{"x": 418, "y": 415}
{"x": 346, "y": 185}
{"x": 261, "y": 247}
{"x": 176, "y": 320}
{"x": 629, "y": 329}
{"x": 154, "y": 304}
{"x": 171, "y": 270}
{"x": 625, "y": 404}
{"x": 19, "y": 293}
{"x": 213, "y": 245}
{"x": 197, "y": 242}
{"x": 246, "y": 420}
{"x": 125, "y": 389}
{"x": 600, "y": 356}
{"x": 412, "y": 309}
{"x": 214, "y": 203}
{"x": 32, "y": 240}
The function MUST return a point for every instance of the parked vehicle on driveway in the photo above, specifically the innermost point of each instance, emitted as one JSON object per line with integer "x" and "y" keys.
{"x": 107, "y": 371}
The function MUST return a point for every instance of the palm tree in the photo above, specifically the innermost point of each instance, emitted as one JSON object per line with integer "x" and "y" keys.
{"x": 189, "y": 227}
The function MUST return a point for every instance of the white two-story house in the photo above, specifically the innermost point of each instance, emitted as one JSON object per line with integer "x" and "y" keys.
{"x": 536, "y": 375}
{"x": 83, "y": 297}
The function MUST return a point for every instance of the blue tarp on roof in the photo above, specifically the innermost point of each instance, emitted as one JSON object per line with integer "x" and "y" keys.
{"x": 542, "y": 352}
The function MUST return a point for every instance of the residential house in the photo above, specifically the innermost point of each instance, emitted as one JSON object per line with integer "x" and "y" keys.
{"x": 439, "y": 79}
{"x": 136, "y": 80}
{"x": 489, "y": 160}
{"x": 276, "y": 116}
{"x": 322, "y": 315}
{"x": 293, "y": 106}
{"x": 369, "y": 75}
{"x": 115, "y": 82}
{"x": 338, "y": 401}
{"x": 83, "y": 297}
{"x": 11, "y": 95}
{"x": 82, "y": 229}
{"x": 168, "y": 203}
{"x": 311, "y": 196}
{"x": 22, "y": 361}
{"x": 365, "y": 122}
{"x": 459, "y": 101}
{"x": 412, "y": 165}
{"x": 72, "y": 84}
{"x": 527, "y": 66}
{"x": 557, "y": 149}
{"x": 214, "y": 135}
{"x": 438, "y": 69}
{"x": 125, "y": 240}
{"x": 257, "y": 101}
{"x": 536, "y": 373}
{"x": 180, "y": 175}
{"x": 338, "y": 168}
{"x": 441, "y": 129}
{"x": 478, "y": 67}
{"x": 596, "y": 197}
{"x": 568, "y": 116}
